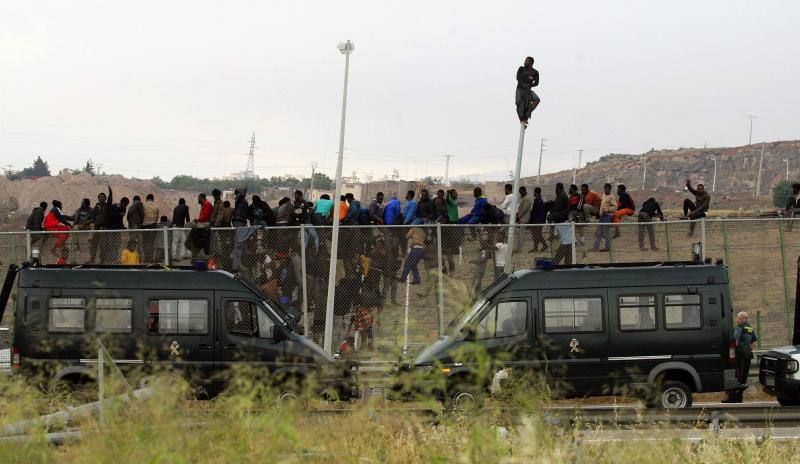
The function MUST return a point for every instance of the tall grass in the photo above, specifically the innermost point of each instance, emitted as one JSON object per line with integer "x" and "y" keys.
{"x": 246, "y": 424}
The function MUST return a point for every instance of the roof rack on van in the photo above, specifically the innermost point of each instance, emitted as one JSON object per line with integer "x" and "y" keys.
{"x": 631, "y": 264}
{"x": 155, "y": 266}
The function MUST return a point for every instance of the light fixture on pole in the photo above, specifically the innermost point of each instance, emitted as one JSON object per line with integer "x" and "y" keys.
{"x": 714, "y": 179}
{"x": 346, "y": 48}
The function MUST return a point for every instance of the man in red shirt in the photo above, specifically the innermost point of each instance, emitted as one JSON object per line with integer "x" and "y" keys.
{"x": 205, "y": 209}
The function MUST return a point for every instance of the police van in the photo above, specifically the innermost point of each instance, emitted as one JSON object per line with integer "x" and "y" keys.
{"x": 200, "y": 322}
{"x": 663, "y": 329}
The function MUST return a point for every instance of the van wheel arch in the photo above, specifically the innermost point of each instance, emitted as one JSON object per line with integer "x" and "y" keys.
{"x": 677, "y": 371}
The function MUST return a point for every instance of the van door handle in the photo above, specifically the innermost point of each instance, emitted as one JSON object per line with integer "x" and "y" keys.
{"x": 203, "y": 346}
{"x": 232, "y": 346}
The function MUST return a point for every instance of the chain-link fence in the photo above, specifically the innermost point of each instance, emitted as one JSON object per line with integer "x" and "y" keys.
{"x": 397, "y": 287}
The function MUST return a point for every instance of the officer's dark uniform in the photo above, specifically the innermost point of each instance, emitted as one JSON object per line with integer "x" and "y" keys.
{"x": 745, "y": 336}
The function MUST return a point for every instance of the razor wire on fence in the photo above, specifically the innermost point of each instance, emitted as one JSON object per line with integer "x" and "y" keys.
{"x": 397, "y": 287}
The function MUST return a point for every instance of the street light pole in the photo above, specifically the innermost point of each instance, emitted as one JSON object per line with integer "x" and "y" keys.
{"x": 346, "y": 48}
{"x": 512, "y": 219}
{"x": 786, "y": 160}
{"x": 714, "y": 179}
{"x": 539, "y": 173}
{"x": 760, "y": 167}
{"x": 644, "y": 170}
{"x": 750, "y": 138}
{"x": 577, "y": 166}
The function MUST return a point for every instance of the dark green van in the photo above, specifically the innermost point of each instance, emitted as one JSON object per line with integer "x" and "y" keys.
{"x": 199, "y": 322}
{"x": 594, "y": 331}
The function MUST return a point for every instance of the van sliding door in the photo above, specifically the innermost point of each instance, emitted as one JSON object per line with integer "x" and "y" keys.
{"x": 573, "y": 334}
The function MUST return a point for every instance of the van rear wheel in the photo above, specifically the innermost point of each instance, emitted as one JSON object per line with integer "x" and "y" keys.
{"x": 674, "y": 395}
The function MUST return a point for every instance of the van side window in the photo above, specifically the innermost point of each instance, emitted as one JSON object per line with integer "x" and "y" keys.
{"x": 637, "y": 312}
{"x": 113, "y": 315}
{"x": 66, "y": 315}
{"x": 240, "y": 317}
{"x": 178, "y": 316}
{"x": 266, "y": 326}
{"x": 682, "y": 312}
{"x": 564, "y": 315}
{"x": 506, "y": 319}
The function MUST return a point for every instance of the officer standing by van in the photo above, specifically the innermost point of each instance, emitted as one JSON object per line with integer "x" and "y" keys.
{"x": 744, "y": 337}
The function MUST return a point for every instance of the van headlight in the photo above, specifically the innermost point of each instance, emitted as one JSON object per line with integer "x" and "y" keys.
{"x": 790, "y": 366}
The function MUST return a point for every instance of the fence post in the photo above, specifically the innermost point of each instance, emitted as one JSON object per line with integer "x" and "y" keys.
{"x": 28, "y": 244}
{"x": 441, "y": 278}
{"x": 305, "y": 285}
{"x": 13, "y": 257}
{"x": 100, "y": 384}
{"x": 786, "y": 297}
{"x": 726, "y": 252}
{"x": 572, "y": 245}
{"x": 703, "y": 240}
{"x": 669, "y": 249}
{"x": 166, "y": 246}
{"x": 405, "y": 318}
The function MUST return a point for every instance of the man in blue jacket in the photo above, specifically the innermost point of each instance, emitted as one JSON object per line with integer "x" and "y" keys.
{"x": 410, "y": 208}
{"x": 391, "y": 213}
{"x": 474, "y": 216}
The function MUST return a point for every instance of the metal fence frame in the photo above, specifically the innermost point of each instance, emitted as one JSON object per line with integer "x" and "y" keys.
{"x": 714, "y": 235}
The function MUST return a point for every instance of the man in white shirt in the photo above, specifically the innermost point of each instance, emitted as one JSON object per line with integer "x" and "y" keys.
{"x": 508, "y": 204}
{"x": 564, "y": 250}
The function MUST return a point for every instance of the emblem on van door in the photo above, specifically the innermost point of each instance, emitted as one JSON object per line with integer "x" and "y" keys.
{"x": 574, "y": 346}
{"x": 174, "y": 349}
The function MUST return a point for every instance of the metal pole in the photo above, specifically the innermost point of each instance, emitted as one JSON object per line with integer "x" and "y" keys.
{"x": 539, "y": 173}
{"x": 644, "y": 170}
{"x": 441, "y": 278}
{"x": 345, "y": 48}
{"x": 512, "y": 219}
{"x": 572, "y": 245}
{"x": 786, "y": 296}
{"x": 714, "y": 181}
{"x": 447, "y": 170}
{"x": 28, "y": 244}
{"x": 166, "y": 246}
{"x": 787, "y": 168}
{"x": 703, "y": 239}
{"x": 405, "y": 317}
{"x": 750, "y": 138}
{"x": 305, "y": 279}
{"x": 760, "y": 166}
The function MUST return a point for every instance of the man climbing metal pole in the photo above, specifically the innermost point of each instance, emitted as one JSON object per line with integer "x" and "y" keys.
{"x": 526, "y": 98}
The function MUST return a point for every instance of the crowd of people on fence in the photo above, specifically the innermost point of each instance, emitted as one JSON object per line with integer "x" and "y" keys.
{"x": 371, "y": 260}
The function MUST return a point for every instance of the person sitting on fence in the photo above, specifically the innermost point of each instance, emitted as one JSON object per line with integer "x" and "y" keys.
{"x": 698, "y": 208}
{"x": 57, "y": 222}
{"x": 559, "y": 212}
{"x": 625, "y": 207}
{"x": 575, "y": 202}
{"x": 392, "y": 213}
{"x": 650, "y": 210}
{"x": 591, "y": 202}
{"x": 793, "y": 205}
{"x": 376, "y": 209}
{"x": 474, "y": 216}
{"x": 36, "y": 218}
{"x": 425, "y": 209}
{"x": 608, "y": 206}
{"x": 410, "y": 208}
{"x": 508, "y": 203}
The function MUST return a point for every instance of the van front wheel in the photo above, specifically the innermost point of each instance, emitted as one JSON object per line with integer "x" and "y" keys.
{"x": 675, "y": 395}
{"x": 465, "y": 398}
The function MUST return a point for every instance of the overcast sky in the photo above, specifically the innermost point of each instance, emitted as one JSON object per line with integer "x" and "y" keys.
{"x": 164, "y": 88}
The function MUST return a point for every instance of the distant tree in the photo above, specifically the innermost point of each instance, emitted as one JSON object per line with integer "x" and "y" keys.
{"x": 781, "y": 192}
{"x": 431, "y": 180}
{"x": 90, "y": 167}
{"x": 39, "y": 169}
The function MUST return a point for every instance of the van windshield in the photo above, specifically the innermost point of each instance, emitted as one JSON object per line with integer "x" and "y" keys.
{"x": 465, "y": 317}
{"x": 288, "y": 320}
